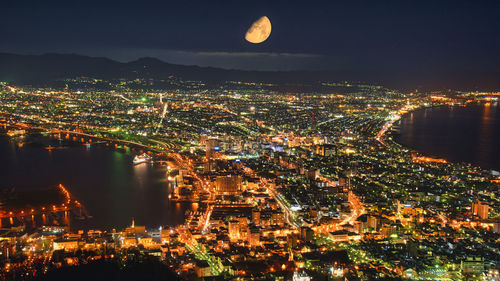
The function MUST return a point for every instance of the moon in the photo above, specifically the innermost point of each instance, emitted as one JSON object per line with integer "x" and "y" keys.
{"x": 259, "y": 31}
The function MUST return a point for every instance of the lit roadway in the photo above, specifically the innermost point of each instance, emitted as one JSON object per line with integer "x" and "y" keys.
{"x": 396, "y": 116}
{"x": 25, "y": 126}
{"x": 193, "y": 246}
{"x": 69, "y": 204}
{"x": 290, "y": 216}
{"x": 356, "y": 205}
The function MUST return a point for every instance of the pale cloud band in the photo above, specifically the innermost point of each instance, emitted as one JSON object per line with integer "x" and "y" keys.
{"x": 257, "y": 54}
{"x": 222, "y": 59}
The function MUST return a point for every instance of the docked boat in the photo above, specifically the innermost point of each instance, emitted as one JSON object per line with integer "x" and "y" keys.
{"x": 143, "y": 158}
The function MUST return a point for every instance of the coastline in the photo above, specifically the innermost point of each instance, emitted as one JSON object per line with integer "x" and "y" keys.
{"x": 115, "y": 180}
{"x": 396, "y": 138}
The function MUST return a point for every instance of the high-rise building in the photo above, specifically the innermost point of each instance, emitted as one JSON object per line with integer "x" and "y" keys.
{"x": 238, "y": 229}
{"x": 306, "y": 234}
{"x": 372, "y": 222}
{"x": 326, "y": 150}
{"x": 480, "y": 209}
{"x": 256, "y": 216}
{"x": 228, "y": 184}
{"x": 234, "y": 229}
{"x": 254, "y": 236}
{"x": 211, "y": 146}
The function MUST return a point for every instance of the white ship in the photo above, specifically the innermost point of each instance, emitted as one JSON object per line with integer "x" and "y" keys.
{"x": 143, "y": 158}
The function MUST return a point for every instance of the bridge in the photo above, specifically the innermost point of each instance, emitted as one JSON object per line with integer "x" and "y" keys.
{"x": 86, "y": 137}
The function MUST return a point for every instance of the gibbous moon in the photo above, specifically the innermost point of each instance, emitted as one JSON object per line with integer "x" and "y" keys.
{"x": 259, "y": 31}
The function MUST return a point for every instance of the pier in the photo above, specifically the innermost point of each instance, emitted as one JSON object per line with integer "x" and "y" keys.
{"x": 29, "y": 204}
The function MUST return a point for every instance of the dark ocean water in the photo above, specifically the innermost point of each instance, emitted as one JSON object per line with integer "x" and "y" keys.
{"x": 459, "y": 134}
{"x": 104, "y": 180}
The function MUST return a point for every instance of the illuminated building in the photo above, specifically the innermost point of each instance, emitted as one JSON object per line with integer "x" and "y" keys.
{"x": 472, "y": 265}
{"x": 129, "y": 242}
{"x": 372, "y": 222}
{"x": 306, "y": 234}
{"x": 202, "y": 269}
{"x": 135, "y": 229}
{"x": 55, "y": 228}
{"x": 66, "y": 245}
{"x": 326, "y": 150}
{"x": 256, "y": 216}
{"x": 234, "y": 230}
{"x": 228, "y": 184}
{"x": 254, "y": 236}
{"x": 480, "y": 209}
{"x": 302, "y": 276}
{"x": 211, "y": 146}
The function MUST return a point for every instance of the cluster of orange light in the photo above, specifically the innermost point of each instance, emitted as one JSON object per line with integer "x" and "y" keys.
{"x": 424, "y": 159}
{"x": 63, "y": 190}
{"x": 489, "y": 94}
{"x": 438, "y": 98}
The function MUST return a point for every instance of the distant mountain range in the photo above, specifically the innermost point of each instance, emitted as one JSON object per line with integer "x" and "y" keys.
{"x": 49, "y": 67}
{"x": 37, "y": 69}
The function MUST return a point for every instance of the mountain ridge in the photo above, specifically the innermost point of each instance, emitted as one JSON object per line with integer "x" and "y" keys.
{"x": 33, "y": 69}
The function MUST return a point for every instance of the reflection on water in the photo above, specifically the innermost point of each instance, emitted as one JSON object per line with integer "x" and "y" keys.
{"x": 111, "y": 188}
{"x": 141, "y": 173}
{"x": 460, "y": 134}
{"x": 485, "y": 135}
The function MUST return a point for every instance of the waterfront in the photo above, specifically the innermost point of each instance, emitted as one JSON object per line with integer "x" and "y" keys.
{"x": 114, "y": 191}
{"x": 111, "y": 188}
{"x": 468, "y": 134}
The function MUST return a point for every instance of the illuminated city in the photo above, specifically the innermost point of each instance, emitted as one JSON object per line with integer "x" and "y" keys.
{"x": 274, "y": 196}
{"x": 174, "y": 178}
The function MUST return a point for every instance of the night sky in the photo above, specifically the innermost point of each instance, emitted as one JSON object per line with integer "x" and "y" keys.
{"x": 419, "y": 36}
